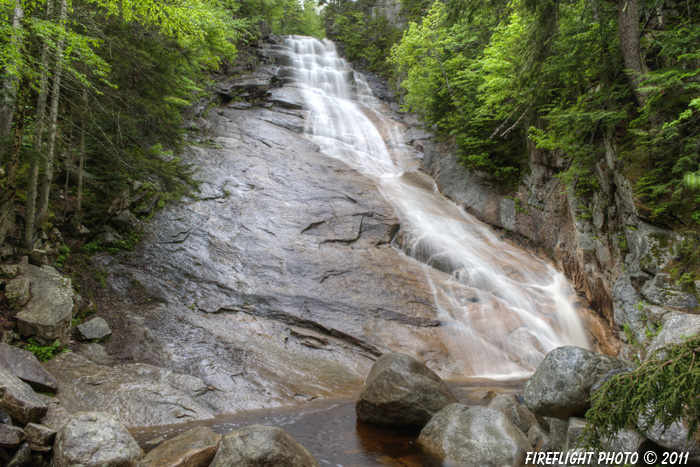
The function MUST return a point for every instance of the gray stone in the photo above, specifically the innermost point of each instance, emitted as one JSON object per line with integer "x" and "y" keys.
{"x": 259, "y": 445}
{"x": 38, "y": 257}
{"x": 39, "y": 435}
{"x": 400, "y": 390}
{"x": 6, "y": 251}
{"x": 676, "y": 327}
{"x": 539, "y": 439}
{"x": 96, "y": 329}
{"x": 56, "y": 416}
{"x": 290, "y": 98}
{"x": 22, "y": 457}
{"x": 17, "y": 291}
{"x": 573, "y": 434}
{"x": 95, "y": 439}
{"x": 557, "y": 432}
{"x": 11, "y": 436}
{"x": 137, "y": 394}
{"x": 24, "y": 365}
{"x": 624, "y": 441}
{"x": 109, "y": 236}
{"x": 47, "y": 316}
{"x": 562, "y": 383}
{"x": 675, "y": 438}
{"x": 19, "y": 400}
{"x": 96, "y": 353}
{"x": 127, "y": 222}
{"x": 478, "y": 436}
{"x": 193, "y": 448}
{"x": 662, "y": 290}
{"x": 9, "y": 270}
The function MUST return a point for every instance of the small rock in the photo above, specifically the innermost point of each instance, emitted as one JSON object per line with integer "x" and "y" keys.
{"x": 573, "y": 434}
{"x": 259, "y": 445}
{"x": 5, "y": 418}
{"x": 22, "y": 457}
{"x": 39, "y": 435}
{"x": 9, "y": 270}
{"x": 38, "y": 258}
{"x": 56, "y": 416}
{"x": 94, "y": 330}
{"x": 127, "y": 222}
{"x": 402, "y": 391}
{"x": 478, "y": 436}
{"x": 11, "y": 436}
{"x": 6, "y": 251}
{"x": 193, "y": 448}
{"x": 562, "y": 383}
{"x": 95, "y": 439}
{"x": 539, "y": 439}
{"x": 24, "y": 365}
{"x": 19, "y": 400}
{"x": 17, "y": 291}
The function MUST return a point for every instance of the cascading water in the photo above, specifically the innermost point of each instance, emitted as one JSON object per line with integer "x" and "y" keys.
{"x": 505, "y": 309}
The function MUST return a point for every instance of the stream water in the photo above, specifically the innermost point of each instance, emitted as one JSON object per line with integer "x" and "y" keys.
{"x": 505, "y": 308}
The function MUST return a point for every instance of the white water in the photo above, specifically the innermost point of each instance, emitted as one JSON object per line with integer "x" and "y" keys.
{"x": 505, "y": 309}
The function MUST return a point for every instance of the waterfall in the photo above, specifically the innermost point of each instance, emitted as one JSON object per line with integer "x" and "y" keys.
{"x": 504, "y": 308}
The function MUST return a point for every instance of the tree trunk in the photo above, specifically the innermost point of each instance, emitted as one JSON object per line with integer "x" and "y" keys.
{"x": 47, "y": 178}
{"x": 30, "y": 211}
{"x": 9, "y": 184}
{"x": 628, "y": 29}
{"x": 10, "y": 83}
{"x": 81, "y": 162}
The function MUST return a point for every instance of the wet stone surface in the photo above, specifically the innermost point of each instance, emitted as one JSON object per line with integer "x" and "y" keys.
{"x": 278, "y": 284}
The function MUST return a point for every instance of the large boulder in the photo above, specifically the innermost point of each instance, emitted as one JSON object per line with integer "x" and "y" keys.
{"x": 562, "y": 383}
{"x": 193, "y": 448}
{"x": 478, "y": 436}
{"x": 24, "y": 365}
{"x": 48, "y": 314}
{"x": 259, "y": 445}
{"x": 402, "y": 391}
{"x": 95, "y": 439}
{"x": 19, "y": 400}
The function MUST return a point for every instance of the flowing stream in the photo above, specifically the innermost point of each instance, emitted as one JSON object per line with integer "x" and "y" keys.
{"x": 505, "y": 309}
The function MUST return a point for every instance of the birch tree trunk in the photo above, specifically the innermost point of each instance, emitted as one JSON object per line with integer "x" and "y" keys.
{"x": 42, "y": 207}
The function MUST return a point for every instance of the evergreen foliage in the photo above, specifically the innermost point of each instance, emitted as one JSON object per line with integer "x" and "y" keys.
{"x": 117, "y": 76}
{"x": 500, "y": 77}
{"x": 662, "y": 390}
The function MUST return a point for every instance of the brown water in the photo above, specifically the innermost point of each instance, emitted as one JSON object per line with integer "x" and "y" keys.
{"x": 329, "y": 429}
